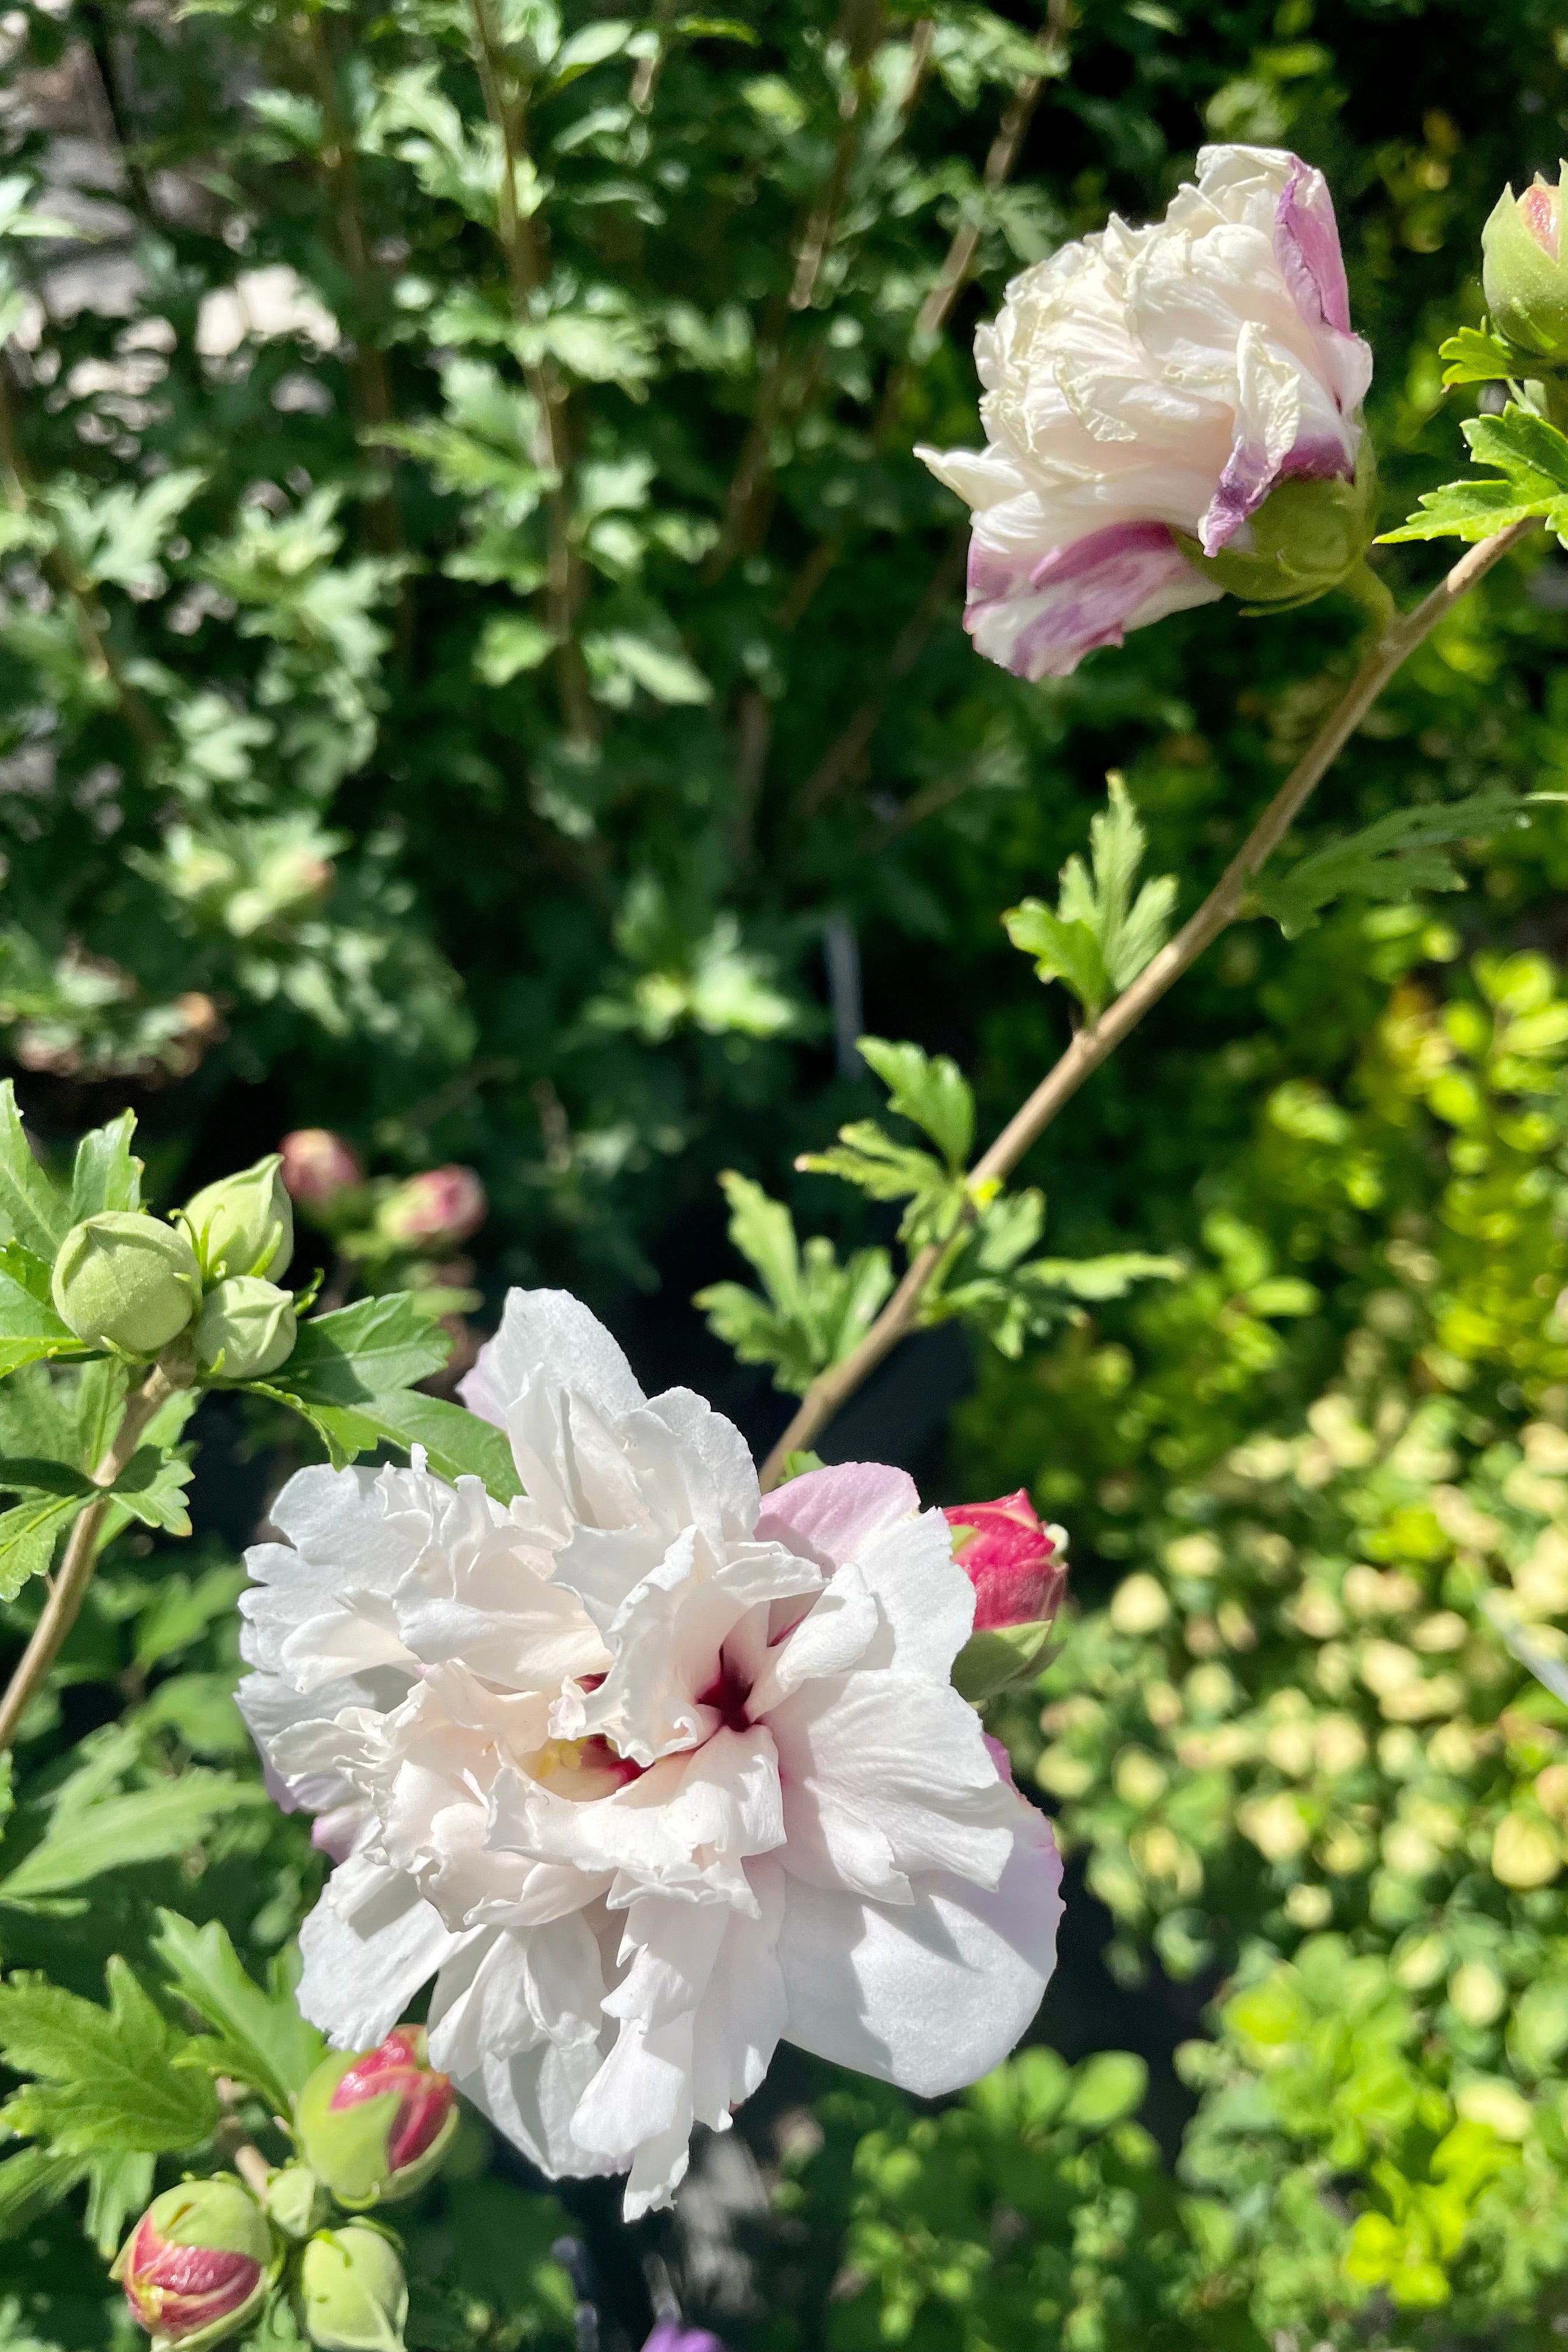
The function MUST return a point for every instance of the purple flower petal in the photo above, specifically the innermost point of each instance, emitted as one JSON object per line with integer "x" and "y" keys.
{"x": 1039, "y": 616}
{"x": 1307, "y": 247}
{"x": 670, "y": 2336}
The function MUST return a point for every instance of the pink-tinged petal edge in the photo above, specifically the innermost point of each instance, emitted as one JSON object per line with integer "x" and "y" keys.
{"x": 1248, "y": 477}
{"x": 830, "y": 1514}
{"x": 1307, "y": 247}
{"x": 1086, "y": 594}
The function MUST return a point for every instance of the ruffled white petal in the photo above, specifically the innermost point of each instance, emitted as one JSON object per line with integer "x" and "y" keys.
{"x": 368, "y": 1945}
{"x": 931, "y": 1994}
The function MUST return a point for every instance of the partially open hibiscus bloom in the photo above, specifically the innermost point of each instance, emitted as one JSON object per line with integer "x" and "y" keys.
{"x": 1146, "y": 390}
{"x": 649, "y": 1771}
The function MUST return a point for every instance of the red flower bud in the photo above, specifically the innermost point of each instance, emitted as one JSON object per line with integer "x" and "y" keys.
{"x": 375, "y": 2124}
{"x": 317, "y": 1166}
{"x": 196, "y": 2267}
{"x": 424, "y": 2098}
{"x": 1017, "y": 1566}
{"x": 435, "y": 1211}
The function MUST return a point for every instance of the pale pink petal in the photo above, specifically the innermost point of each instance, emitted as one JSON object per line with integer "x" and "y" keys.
{"x": 827, "y": 1514}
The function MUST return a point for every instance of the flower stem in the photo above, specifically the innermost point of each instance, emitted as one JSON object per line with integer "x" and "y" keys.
{"x": 1392, "y": 647}
{"x": 69, "y": 1587}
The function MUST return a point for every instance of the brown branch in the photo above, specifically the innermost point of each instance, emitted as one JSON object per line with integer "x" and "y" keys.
{"x": 951, "y": 279}
{"x": 69, "y": 1587}
{"x": 1099, "y": 1037}
{"x": 368, "y": 371}
{"x": 860, "y": 25}
{"x": 520, "y": 243}
{"x": 843, "y": 756}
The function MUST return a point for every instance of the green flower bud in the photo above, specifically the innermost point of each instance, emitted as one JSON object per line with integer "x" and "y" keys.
{"x": 196, "y": 2267}
{"x": 1522, "y": 273}
{"x": 127, "y": 1281}
{"x": 353, "y": 2293}
{"x": 376, "y": 2124}
{"x": 1307, "y": 534}
{"x": 244, "y": 1224}
{"x": 296, "y": 2201}
{"x": 246, "y": 1328}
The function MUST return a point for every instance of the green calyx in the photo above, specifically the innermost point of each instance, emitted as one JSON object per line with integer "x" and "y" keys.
{"x": 126, "y": 1281}
{"x": 352, "y": 2296}
{"x": 1305, "y": 538}
{"x": 992, "y": 1662}
{"x": 246, "y": 1328}
{"x": 243, "y": 1224}
{"x": 1526, "y": 288}
{"x": 297, "y": 2202}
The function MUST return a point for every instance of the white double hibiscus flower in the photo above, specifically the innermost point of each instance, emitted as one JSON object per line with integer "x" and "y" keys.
{"x": 1146, "y": 391}
{"x": 649, "y": 1772}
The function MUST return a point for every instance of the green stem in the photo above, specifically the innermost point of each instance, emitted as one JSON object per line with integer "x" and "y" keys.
{"x": 1098, "y": 1038}
{"x": 69, "y": 1587}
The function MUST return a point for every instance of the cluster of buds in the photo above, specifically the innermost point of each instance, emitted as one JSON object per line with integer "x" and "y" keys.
{"x": 126, "y": 1281}
{"x": 424, "y": 1215}
{"x": 1018, "y": 1569}
{"x": 371, "y": 2127}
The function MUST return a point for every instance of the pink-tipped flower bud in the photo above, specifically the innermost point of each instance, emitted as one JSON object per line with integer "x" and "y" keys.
{"x": 1018, "y": 1569}
{"x": 317, "y": 1166}
{"x": 435, "y": 1211}
{"x": 196, "y": 2267}
{"x": 1017, "y": 1565}
{"x": 375, "y": 2124}
{"x": 1523, "y": 275}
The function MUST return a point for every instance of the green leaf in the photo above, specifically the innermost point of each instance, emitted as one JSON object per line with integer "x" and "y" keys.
{"x": 151, "y": 1488}
{"x": 361, "y": 1352}
{"x": 118, "y": 2187}
{"x": 28, "y": 1533}
{"x": 511, "y": 643}
{"x": 1530, "y": 458}
{"x": 33, "y": 1209}
{"x": 108, "y": 2081}
{"x": 814, "y": 1310}
{"x": 258, "y": 2034}
{"x": 31, "y": 2181}
{"x": 180, "y": 1608}
{"x": 1105, "y": 2089}
{"x": 930, "y": 1090}
{"x": 144, "y": 1826}
{"x": 885, "y": 1171}
{"x": 1110, "y": 1276}
{"x": 1104, "y": 930}
{"x": 458, "y": 1444}
{"x": 28, "y": 1272}
{"x": 1475, "y": 355}
{"x": 27, "y": 1473}
{"x": 105, "y": 1176}
{"x": 1396, "y": 858}
{"x": 1066, "y": 951}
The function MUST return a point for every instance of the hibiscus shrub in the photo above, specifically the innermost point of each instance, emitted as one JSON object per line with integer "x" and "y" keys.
{"x": 482, "y": 667}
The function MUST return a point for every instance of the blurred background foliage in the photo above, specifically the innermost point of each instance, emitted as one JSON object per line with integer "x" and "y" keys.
{"x": 481, "y": 670}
